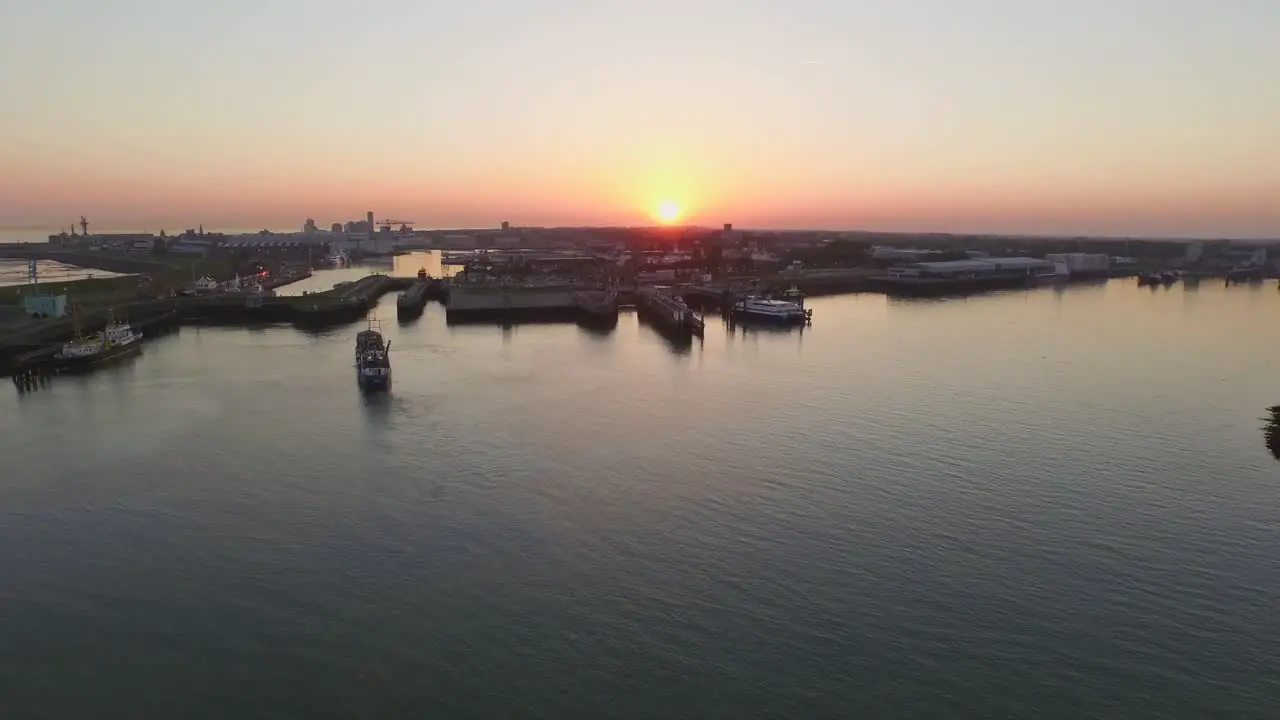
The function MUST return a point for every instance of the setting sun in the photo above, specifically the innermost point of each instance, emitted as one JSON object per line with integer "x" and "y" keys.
{"x": 668, "y": 211}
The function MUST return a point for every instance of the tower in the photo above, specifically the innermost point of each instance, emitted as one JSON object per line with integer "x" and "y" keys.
{"x": 84, "y": 226}
{"x": 369, "y": 219}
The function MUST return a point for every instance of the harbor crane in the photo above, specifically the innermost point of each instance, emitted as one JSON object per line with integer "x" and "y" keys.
{"x": 388, "y": 224}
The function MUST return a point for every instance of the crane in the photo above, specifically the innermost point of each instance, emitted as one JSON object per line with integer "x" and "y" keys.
{"x": 388, "y": 224}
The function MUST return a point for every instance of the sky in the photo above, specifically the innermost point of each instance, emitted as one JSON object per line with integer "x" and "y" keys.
{"x": 1113, "y": 117}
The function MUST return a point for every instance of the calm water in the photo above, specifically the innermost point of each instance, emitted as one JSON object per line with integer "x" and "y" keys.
{"x": 1043, "y": 504}
{"x": 406, "y": 265}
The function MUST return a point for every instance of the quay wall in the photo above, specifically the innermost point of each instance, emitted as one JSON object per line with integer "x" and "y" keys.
{"x": 467, "y": 304}
{"x": 30, "y": 341}
{"x": 413, "y": 300}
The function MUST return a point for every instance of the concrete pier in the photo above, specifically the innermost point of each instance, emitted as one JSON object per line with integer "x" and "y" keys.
{"x": 485, "y": 304}
{"x": 664, "y": 309}
{"x": 598, "y": 309}
{"x": 412, "y": 300}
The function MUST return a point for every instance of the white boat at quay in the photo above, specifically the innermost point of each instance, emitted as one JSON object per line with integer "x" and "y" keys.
{"x": 769, "y": 310}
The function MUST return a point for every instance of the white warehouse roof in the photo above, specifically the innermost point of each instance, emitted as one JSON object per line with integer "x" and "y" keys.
{"x": 1010, "y": 263}
{"x": 955, "y": 266}
{"x": 983, "y": 265}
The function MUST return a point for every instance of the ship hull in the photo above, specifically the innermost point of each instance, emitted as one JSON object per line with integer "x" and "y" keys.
{"x": 106, "y": 357}
{"x": 373, "y": 383}
{"x": 769, "y": 318}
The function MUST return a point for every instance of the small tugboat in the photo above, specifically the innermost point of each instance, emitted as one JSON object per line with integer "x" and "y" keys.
{"x": 373, "y": 359}
{"x": 117, "y": 340}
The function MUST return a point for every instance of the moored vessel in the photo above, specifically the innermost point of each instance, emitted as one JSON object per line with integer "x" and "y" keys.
{"x": 768, "y": 310}
{"x": 116, "y": 340}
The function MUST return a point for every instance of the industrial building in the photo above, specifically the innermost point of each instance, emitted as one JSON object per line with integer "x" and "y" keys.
{"x": 44, "y": 306}
{"x": 886, "y": 252}
{"x": 986, "y": 267}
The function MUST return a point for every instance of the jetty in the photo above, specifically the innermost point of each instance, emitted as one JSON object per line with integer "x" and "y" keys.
{"x": 412, "y": 300}
{"x": 663, "y": 308}
{"x": 596, "y": 309}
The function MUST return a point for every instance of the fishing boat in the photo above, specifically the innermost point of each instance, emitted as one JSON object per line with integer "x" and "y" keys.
{"x": 83, "y": 353}
{"x": 373, "y": 359}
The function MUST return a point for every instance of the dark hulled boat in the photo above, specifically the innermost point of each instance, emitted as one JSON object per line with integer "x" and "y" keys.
{"x": 373, "y": 360}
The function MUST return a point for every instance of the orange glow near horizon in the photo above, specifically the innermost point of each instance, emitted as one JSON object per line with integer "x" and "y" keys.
{"x": 825, "y": 117}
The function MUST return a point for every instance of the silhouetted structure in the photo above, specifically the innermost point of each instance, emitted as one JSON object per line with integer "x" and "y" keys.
{"x": 1271, "y": 431}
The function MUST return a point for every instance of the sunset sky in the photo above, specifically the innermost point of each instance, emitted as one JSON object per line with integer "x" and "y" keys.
{"x": 1122, "y": 117}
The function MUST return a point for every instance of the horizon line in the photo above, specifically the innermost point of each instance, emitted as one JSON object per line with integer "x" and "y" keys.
{"x": 895, "y": 233}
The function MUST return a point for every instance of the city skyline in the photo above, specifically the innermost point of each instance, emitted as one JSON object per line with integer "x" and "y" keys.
{"x": 1113, "y": 119}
